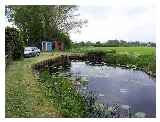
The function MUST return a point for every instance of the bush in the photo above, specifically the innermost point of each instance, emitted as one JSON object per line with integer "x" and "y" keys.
{"x": 13, "y": 43}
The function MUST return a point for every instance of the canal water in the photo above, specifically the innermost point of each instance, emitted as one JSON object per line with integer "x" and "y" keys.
{"x": 117, "y": 85}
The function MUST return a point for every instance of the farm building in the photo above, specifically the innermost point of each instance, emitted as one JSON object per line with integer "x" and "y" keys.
{"x": 47, "y": 46}
{"x": 59, "y": 45}
{"x": 51, "y": 45}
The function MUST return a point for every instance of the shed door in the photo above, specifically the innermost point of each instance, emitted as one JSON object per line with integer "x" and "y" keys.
{"x": 49, "y": 46}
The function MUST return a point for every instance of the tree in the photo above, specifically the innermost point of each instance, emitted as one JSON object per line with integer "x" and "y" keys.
{"x": 38, "y": 23}
{"x": 98, "y": 44}
{"x": 113, "y": 43}
{"x": 123, "y": 43}
{"x": 64, "y": 37}
{"x": 27, "y": 20}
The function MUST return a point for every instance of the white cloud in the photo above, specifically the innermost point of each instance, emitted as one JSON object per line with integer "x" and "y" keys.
{"x": 117, "y": 22}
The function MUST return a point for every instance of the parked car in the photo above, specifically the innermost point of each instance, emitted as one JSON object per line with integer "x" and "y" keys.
{"x": 31, "y": 51}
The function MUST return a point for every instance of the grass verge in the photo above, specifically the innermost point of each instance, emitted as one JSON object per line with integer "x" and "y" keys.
{"x": 24, "y": 95}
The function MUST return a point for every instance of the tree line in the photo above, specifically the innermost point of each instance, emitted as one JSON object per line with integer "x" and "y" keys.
{"x": 116, "y": 43}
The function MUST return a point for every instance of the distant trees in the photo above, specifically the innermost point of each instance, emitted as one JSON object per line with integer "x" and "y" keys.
{"x": 112, "y": 43}
{"x": 37, "y": 23}
{"x": 123, "y": 43}
{"x": 151, "y": 44}
{"x": 116, "y": 43}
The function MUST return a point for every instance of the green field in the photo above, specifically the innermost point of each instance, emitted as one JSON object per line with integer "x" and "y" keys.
{"x": 130, "y": 50}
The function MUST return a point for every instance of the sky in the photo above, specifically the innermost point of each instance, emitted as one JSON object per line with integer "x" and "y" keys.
{"x": 129, "y": 20}
{"x": 125, "y": 22}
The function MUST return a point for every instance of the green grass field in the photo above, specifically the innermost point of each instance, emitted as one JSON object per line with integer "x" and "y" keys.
{"x": 130, "y": 50}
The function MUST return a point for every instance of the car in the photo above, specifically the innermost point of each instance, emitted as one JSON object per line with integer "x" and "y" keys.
{"x": 31, "y": 51}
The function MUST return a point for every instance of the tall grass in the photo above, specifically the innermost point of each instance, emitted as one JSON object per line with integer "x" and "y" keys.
{"x": 146, "y": 63}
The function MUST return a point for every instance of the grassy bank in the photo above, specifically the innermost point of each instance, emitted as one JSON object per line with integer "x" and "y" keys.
{"x": 61, "y": 92}
{"x": 24, "y": 95}
{"x": 133, "y": 57}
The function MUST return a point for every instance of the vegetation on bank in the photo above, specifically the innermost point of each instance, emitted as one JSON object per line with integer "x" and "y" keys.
{"x": 145, "y": 63}
{"x": 24, "y": 95}
{"x": 62, "y": 93}
{"x": 142, "y": 58}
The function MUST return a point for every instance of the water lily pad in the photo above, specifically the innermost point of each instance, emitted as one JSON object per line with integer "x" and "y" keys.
{"x": 126, "y": 107}
{"x": 140, "y": 115}
{"x": 84, "y": 88}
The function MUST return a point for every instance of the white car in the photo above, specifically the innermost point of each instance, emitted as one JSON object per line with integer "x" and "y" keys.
{"x": 31, "y": 51}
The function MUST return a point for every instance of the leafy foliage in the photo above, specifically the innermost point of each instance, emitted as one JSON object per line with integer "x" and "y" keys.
{"x": 38, "y": 23}
{"x": 63, "y": 95}
{"x": 64, "y": 37}
{"x": 13, "y": 43}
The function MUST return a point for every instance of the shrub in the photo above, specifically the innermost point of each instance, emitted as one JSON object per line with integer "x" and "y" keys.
{"x": 13, "y": 43}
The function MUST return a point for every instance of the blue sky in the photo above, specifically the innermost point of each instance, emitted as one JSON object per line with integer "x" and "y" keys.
{"x": 126, "y": 22}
